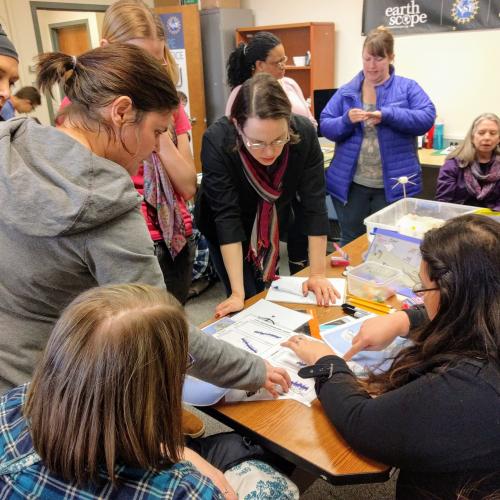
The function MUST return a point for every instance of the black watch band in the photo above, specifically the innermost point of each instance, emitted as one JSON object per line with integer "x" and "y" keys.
{"x": 314, "y": 371}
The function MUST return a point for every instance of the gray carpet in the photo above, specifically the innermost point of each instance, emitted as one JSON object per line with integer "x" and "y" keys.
{"x": 201, "y": 308}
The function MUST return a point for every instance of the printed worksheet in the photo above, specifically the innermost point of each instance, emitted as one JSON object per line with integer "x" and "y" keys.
{"x": 264, "y": 339}
{"x": 339, "y": 338}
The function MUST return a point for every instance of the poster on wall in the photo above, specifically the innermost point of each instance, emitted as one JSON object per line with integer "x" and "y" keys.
{"x": 174, "y": 31}
{"x": 430, "y": 16}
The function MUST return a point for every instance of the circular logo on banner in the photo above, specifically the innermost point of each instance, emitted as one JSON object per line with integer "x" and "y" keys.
{"x": 464, "y": 11}
{"x": 174, "y": 25}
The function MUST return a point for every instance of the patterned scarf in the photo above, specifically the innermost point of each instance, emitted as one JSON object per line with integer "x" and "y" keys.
{"x": 264, "y": 242}
{"x": 481, "y": 185}
{"x": 159, "y": 193}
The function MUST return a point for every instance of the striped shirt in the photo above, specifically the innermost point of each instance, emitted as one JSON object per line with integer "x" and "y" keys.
{"x": 23, "y": 475}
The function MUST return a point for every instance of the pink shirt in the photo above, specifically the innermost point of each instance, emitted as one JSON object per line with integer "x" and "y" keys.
{"x": 294, "y": 94}
{"x": 182, "y": 126}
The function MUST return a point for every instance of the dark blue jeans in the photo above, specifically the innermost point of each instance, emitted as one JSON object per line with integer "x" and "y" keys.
{"x": 251, "y": 280}
{"x": 362, "y": 202}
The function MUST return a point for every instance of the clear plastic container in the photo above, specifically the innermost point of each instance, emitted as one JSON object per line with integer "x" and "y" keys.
{"x": 391, "y": 217}
{"x": 373, "y": 281}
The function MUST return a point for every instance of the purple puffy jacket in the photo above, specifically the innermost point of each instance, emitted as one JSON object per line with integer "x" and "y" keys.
{"x": 407, "y": 112}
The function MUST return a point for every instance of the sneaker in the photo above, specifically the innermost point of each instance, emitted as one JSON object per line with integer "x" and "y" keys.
{"x": 192, "y": 426}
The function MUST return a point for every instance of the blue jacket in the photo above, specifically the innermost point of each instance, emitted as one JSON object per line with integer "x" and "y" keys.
{"x": 407, "y": 112}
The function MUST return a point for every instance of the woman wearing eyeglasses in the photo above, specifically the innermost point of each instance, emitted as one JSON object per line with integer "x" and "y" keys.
{"x": 264, "y": 53}
{"x": 435, "y": 414}
{"x": 254, "y": 163}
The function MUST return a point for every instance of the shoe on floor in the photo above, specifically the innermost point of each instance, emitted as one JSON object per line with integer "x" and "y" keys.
{"x": 192, "y": 426}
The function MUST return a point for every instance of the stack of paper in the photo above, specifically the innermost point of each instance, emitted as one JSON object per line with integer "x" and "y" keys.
{"x": 262, "y": 334}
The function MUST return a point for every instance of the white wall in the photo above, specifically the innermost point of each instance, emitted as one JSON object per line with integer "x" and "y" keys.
{"x": 458, "y": 70}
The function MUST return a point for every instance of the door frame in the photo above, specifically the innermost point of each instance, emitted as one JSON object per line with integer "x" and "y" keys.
{"x": 55, "y": 39}
{"x": 36, "y": 6}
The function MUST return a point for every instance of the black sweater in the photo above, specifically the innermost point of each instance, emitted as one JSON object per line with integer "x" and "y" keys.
{"x": 442, "y": 429}
{"x": 227, "y": 203}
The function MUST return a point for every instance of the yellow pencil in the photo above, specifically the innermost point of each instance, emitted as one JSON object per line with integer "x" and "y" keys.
{"x": 377, "y": 306}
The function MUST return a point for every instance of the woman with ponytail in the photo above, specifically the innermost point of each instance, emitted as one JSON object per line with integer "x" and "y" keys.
{"x": 166, "y": 179}
{"x": 264, "y": 53}
{"x": 71, "y": 216}
{"x": 254, "y": 164}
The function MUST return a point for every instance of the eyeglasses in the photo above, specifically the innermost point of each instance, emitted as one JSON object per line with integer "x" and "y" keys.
{"x": 190, "y": 362}
{"x": 419, "y": 290}
{"x": 280, "y": 63}
{"x": 252, "y": 144}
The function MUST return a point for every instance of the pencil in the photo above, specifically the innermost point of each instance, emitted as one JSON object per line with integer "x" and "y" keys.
{"x": 368, "y": 304}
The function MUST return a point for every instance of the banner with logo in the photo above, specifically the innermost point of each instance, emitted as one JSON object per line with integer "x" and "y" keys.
{"x": 429, "y": 16}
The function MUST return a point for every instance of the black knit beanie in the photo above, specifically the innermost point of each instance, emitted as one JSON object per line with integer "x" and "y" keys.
{"x": 6, "y": 46}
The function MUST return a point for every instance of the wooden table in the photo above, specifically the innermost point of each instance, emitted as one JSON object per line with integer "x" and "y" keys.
{"x": 303, "y": 435}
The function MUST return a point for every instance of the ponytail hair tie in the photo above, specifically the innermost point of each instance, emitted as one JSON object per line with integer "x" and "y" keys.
{"x": 74, "y": 62}
{"x": 245, "y": 45}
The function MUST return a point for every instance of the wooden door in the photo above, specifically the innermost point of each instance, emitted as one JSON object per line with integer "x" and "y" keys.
{"x": 74, "y": 39}
{"x": 182, "y": 28}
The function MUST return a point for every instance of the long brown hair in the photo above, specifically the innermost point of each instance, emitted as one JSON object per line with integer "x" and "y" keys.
{"x": 463, "y": 259}
{"x": 128, "y": 19}
{"x": 96, "y": 78}
{"x": 108, "y": 389}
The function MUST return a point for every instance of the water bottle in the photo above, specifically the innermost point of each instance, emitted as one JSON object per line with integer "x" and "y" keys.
{"x": 439, "y": 135}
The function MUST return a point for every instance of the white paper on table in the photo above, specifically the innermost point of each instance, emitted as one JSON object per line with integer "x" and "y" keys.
{"x": 274, "y": 314}
{"x": 263, "y": 339}
{"x": 295, "y": 283}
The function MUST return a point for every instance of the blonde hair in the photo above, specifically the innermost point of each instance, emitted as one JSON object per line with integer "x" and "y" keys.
{"x": 128, "y": 19}
{"x": 379, "y": 42}
{"x": 108, "y": 389}
{"x": 466, "y": 152}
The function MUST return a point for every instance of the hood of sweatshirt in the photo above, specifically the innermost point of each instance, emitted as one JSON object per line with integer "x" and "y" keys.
{"x": 52, "y": 185}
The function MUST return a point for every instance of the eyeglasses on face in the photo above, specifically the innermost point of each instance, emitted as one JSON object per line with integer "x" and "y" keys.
{"x": 280, "y": 63}
{"x": 419, "y": 289}
{"x": 253, "y": 144}
{"x": 190, "y": 361}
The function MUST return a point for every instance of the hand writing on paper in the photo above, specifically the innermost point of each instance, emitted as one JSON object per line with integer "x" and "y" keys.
{"x": 307, "y": 350}
{"x": 322, "y": 288}
{"x": 276, "y": 376}
{"x": 377, "y": 333}
{"x": 233, "y": 303}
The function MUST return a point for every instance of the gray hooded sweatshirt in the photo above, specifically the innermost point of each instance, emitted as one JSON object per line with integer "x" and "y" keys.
{"x": 71, "y": 220}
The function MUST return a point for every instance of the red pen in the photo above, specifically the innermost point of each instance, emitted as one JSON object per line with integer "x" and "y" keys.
{"x": 341, "y": 252}
{"x": 343, "y": 260}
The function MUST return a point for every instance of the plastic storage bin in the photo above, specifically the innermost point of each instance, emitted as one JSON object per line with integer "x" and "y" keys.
{"x": 373, "y": 281}
{"x": 390, "y": 217}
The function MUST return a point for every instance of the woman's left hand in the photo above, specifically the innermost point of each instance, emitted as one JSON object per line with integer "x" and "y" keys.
{"x": 373, "y": 117}
{"x": 322, "y": 288}
{"x": 307, "y": 350}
